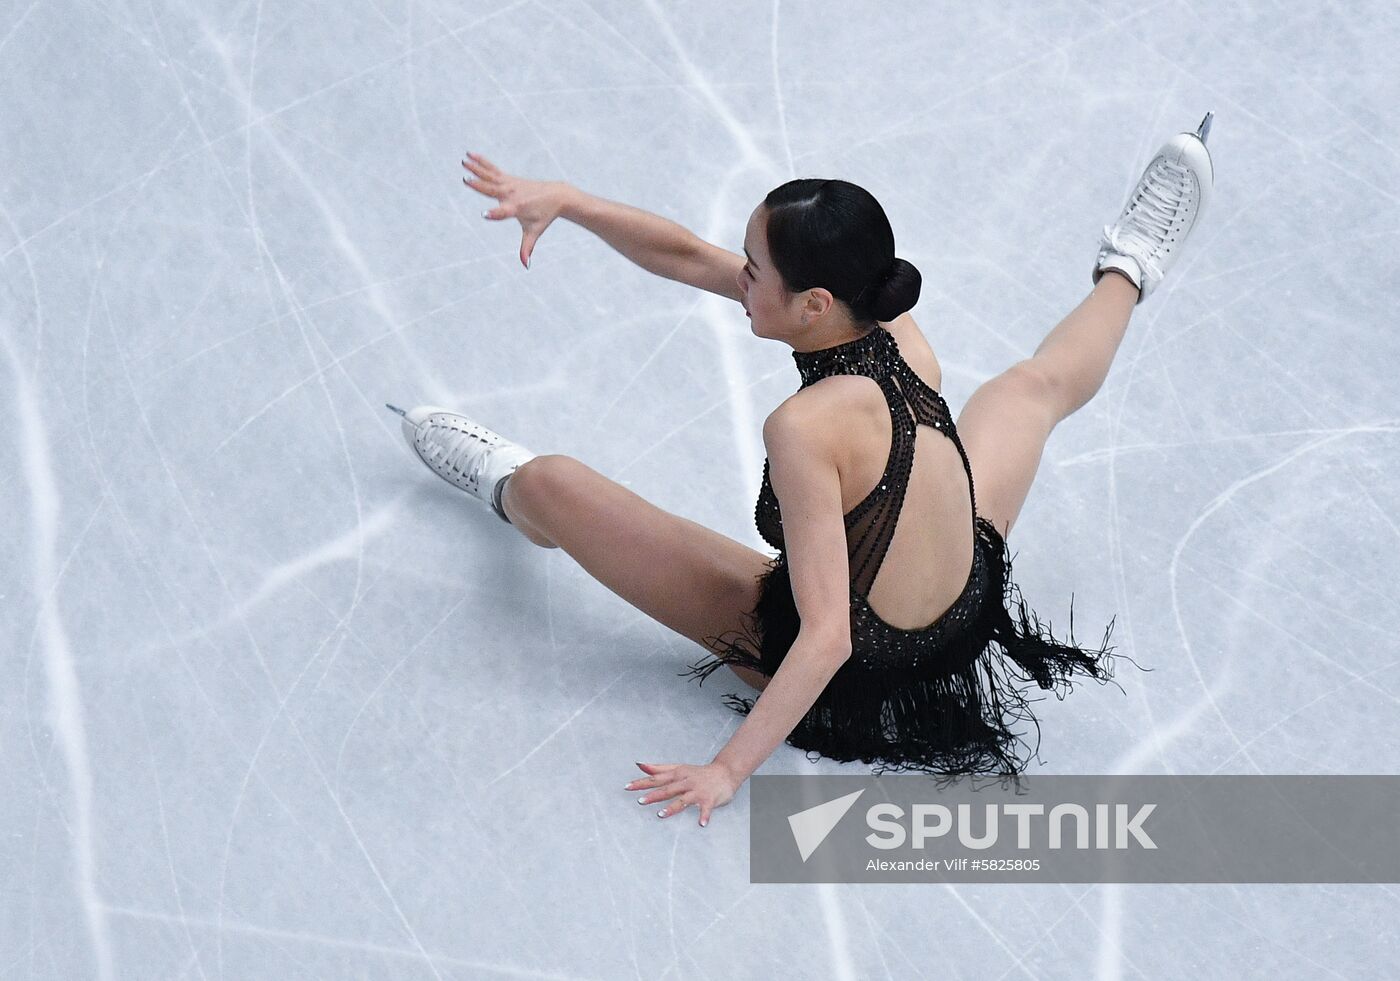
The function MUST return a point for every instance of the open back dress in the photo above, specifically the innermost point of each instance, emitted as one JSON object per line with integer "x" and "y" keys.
{"x": 939, "y": 699}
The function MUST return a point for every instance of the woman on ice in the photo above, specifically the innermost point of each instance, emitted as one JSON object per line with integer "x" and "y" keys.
{"x": 887, "y": 628}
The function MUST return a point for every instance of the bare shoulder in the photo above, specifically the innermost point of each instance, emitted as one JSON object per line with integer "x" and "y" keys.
{"x": 831, "y": 418}
{"x": 835, "y": 393}
{"x": 807, "y": 411}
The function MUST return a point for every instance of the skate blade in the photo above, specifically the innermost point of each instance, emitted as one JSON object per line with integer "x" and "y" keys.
{"x": 395, "y": 408}
{"x": 1203, "y": 130}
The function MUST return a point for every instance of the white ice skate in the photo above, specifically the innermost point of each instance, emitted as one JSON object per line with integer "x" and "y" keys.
{"x": 1160, "y": 213}
{"x": 465, "y": 454}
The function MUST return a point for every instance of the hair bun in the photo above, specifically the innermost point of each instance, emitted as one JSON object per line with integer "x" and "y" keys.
{"x": 832, "y": 233}
{"x": 898, "y": 290}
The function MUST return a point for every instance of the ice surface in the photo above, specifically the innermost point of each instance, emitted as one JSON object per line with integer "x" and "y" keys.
{"x": 278, "y": 703}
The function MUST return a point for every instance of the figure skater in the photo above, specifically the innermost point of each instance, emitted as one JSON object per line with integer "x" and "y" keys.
{"x": 883, "y": 628}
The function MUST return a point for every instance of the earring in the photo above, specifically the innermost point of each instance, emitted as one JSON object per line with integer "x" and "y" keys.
{"x": 804, "y": 320}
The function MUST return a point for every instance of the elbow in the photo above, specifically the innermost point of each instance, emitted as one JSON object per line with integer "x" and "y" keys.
{"x": 834, "y": 645}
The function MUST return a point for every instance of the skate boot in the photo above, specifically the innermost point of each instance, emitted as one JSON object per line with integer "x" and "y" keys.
{"x": 466, "y": 455}
{"x": 1160, "y": 212}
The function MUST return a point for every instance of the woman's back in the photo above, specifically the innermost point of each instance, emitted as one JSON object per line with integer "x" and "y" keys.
{"x": 928, "y": 558}
{"x": 905, "y": 484}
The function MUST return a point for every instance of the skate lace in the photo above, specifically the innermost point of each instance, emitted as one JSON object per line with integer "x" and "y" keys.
{"x": 1164, "y": 190}
{"x": 452, "y": 447}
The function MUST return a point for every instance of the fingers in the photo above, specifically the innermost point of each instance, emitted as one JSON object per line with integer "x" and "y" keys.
{"x": 481, "y": 186}
{"x": 481, "y": 161}
{"x": 675, "y": 807}
{"x": 527, "y": 247}
{"x": 486, "y": 181}
{"x": 676, "y": 787}
{"x": 482, "y": 189}
{"x": 665, "y": 792}
{"x": 666, "y": 785}
{"x": 477, "y": 189}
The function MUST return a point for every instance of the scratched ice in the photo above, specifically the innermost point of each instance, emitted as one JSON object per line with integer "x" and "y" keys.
{"x": 278, "y": 703}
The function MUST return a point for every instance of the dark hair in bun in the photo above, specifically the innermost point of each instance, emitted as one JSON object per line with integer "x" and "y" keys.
{"x": 834, "y": 234}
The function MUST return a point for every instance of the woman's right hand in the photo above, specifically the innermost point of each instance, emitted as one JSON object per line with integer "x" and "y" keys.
{"x": 534, "y": 203}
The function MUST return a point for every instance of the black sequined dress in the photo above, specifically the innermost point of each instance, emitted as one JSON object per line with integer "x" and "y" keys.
{"x": 941, "y": 699}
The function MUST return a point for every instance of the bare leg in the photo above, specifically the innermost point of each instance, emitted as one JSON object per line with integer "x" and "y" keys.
{"x": 1076, "y": 355}
{"x": 696, "y": 581}
{"x": 1005, "y": 424}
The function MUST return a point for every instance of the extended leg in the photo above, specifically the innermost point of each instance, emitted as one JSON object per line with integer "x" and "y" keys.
{"x": 1006, "y": 422}
{"x": 1076, "y": 355}
{"x": 680, "y": 573}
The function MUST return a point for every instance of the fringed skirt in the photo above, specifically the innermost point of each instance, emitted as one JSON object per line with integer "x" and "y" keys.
{"x": 942, "y": 700}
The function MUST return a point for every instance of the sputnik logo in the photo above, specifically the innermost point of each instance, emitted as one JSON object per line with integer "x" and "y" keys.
{"x": 810, "y": 827}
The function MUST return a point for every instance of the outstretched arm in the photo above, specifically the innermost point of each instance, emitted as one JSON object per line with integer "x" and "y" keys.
{"x": 657, "y": 244}
{"x": 670, "y": 250}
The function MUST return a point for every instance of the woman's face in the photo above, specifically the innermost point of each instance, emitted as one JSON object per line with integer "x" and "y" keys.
{"x": 764, "y": 296}
{"x": 776, "y": 313}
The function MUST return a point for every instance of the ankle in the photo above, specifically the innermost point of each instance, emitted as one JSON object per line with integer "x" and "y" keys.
{"x": 1115, "y": 277}
{"x": 498, "y": 503}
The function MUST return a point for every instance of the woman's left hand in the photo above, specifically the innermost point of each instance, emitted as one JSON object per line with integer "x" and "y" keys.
{"x": 707, "y": 787}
